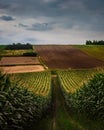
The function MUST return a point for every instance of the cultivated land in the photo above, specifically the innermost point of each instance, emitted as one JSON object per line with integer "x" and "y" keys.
{"x": 4, "y": 52}
{"x": 61, "y": 57}
{"x": 96, "y": 51}
{"x": 22, "y": 69}
{"x": 66, "y": 57}
{"x": 20, "y": 64}
{"x": 19, "y": 61}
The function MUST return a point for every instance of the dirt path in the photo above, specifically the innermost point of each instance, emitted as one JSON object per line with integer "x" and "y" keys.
{"x": 65, "y": 56}
{"x": 59, "y": 119}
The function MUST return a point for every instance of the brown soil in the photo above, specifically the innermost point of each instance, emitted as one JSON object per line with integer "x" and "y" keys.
{"x": 65, "y": 56}
{"x": 19, "y": 61}
{"x": 22, "y": 69}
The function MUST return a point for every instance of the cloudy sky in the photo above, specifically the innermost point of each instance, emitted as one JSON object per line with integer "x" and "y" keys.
{"x": 51, "y": 21}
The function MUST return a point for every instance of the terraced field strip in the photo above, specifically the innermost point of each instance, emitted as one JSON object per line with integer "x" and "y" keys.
{"x": 14, "y": 52}
{"x": 66, "y": 57}
{"x": 39, "y": 82}
{"x": 74, "y": 79}
{"x": 22, "y": 69}
{"x": 7, "y": 61}
{"x": 96, "y": 51}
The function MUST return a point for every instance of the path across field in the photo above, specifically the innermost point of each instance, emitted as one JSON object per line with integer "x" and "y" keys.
{"x": 65, "y": 56}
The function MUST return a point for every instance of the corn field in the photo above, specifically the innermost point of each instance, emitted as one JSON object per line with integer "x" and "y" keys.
{"x": 23, "y": 99}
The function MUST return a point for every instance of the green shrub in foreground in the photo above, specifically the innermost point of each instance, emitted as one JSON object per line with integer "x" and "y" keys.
{"x": 90, "y": 98}
{"x": 18, "y": 106}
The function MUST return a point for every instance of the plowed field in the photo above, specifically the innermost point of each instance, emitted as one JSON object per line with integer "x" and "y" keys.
{"x": 19, "y": 61}
{"x": 22, "y": 69}
{"x": 64, "y": 57}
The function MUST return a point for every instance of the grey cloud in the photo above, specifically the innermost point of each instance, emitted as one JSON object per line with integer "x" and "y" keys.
{"x": 4, "y": 6}
{"x": 41, "y": 27}
{"x": 31, "y": 40}
{"x": 66, "y": 15}
{"x": 7, "y": 18}
{"x": 23, "y": 25}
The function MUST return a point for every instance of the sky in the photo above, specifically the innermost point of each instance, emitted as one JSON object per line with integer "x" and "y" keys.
{"x": 51, "y": 21}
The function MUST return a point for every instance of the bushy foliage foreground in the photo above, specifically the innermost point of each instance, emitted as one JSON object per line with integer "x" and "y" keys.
{"x": 18, "y": 106}
{"x": 88, "y": 99}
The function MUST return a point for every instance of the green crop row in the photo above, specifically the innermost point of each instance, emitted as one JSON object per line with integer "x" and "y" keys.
{"x": 39, "y": 82}
{"x": 73, "y": 82}
{"x": 19, "y": 104}
{"x": 15, "y": 52}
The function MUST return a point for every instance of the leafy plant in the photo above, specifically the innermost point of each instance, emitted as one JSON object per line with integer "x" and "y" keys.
{"x": 18, "y": 106}
{"x": 90, "y": 98}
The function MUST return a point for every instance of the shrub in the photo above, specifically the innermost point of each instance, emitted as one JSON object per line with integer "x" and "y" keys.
{"x": 18, "y": 106}
{"x": 90, "y": 98}
{"x": 30, "y": 54}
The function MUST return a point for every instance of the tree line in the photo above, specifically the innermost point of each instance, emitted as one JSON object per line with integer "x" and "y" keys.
{"x": 19, "y": 46}
{"x": 94, "y": 42}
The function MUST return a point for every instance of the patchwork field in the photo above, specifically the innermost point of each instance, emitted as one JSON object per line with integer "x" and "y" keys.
{"x": 65, "y": 56}
{"x": 19, "y": 61}
{"x": 47, "y": 97}
{"x": 4, "y": 52}
{"x": 22, "y": 69}
{"x": 96, "y": 51}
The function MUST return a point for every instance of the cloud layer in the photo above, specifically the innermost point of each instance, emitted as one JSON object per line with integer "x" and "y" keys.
{"x": 51, "y": 21}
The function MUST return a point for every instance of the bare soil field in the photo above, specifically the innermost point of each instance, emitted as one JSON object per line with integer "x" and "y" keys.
{"x": 19, "y": 61}
{"x": 65, "y": 56}
{"x": 22, "y": 69}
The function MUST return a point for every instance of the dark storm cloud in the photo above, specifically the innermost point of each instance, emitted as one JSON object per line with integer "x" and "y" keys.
{"x": 54, "y": 8}
{"x": 67, "y": 15}
{"x": 4, "y": 5}
{"x": 7, "y": 18}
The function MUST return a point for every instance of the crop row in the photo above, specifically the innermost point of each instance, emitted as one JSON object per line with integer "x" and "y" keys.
{"x": 24, "y": 98}
{"x": 39, "y": 83}
{"x": 72, "y": 80}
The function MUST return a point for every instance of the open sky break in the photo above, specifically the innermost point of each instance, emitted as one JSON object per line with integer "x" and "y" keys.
{"x": 51, "y": 21}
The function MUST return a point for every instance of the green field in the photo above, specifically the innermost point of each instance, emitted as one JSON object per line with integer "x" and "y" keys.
{"x": 71, "y": 80}
{"x": 62, "y": 118}
{"x": 96, "y": 51}
{"x": 39, "y": 83}
{"x": 52, "y": 90}
{"x": 14, "y": 52}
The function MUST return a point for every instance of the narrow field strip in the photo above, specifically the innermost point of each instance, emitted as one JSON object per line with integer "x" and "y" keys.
{"x": 7, "y": 61}
{"x": 22, "y": 69}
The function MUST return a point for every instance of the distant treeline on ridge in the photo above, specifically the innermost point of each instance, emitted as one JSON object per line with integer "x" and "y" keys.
{"x": 94, "y": 42}
{"x": 18, "y": 46}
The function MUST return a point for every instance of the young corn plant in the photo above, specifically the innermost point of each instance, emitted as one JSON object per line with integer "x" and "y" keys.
{"x": 18, "y": 106}
{"x": 90, "y": 98}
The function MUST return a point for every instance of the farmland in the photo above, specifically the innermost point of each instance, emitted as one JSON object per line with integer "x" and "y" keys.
{"x": 20, "y": 60}
{"x": 96, "y": 51}
{"x": 66, "y": 57}
{"x": 14, "y": 52}
{"x": 39, "y": 83}
{"x": 7, "y": 61}
{"x": 68, "y": 69}
{"x": 22, "y": 69}
{"x": 23, "y": 98}
{"x": 74, "y": 79}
